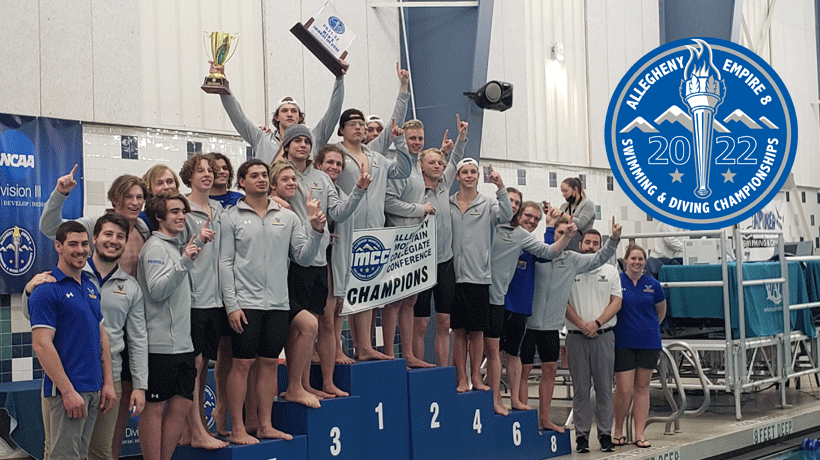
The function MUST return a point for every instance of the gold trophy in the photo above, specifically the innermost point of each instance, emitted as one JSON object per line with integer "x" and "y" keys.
{"x": 216, "y": 83}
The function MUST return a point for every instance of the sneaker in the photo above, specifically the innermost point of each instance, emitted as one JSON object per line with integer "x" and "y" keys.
{"x": 606, "y": 443}
{"x": 582, "y": 444}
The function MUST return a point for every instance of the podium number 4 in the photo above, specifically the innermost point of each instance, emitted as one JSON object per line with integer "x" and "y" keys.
{"x": 477, "y": 421}
{"x": 434, "y": 410}
{"x": 336, "y": 447}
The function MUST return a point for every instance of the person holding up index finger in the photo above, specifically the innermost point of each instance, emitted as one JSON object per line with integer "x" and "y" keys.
{"x": 474, "y": 219}
{"x": 553, "y": 281}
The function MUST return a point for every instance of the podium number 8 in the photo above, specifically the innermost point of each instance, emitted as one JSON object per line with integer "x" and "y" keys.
{"x": 336, "y": 447}
{"x": 517, "y": 433}
{"x": 554, "y": 443}
{"x": 434, "y": 410}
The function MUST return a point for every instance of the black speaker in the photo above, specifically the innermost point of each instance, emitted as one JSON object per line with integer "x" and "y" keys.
{"x": 495, "y": 95}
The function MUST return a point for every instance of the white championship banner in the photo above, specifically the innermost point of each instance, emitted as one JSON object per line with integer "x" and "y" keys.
{"x": 389, "y": 264}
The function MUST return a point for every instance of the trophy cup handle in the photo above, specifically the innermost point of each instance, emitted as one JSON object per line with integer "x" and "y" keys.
{"x": 206, "y": 42}
{"x": 234, "y": 38}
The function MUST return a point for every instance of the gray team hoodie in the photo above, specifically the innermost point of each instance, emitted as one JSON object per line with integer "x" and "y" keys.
{"x": 473, "y": 235}
{"x": 163, "y": 274}
{"x": 254, "y": 255}
{"x": 267, "y": 145}
{"x": 553, "y": 283}
{"x": 321, "y": 188}
{"x": 507, "y": 246}
{"x": 206, "y": 290}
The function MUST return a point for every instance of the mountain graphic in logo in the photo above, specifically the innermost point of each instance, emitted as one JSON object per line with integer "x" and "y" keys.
{"x": 739, "y": 116}
{"x": 675, "y": 114}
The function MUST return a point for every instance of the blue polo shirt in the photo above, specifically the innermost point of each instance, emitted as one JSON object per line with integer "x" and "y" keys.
{"x": 522, "y": 284}
{"x": 227, "y": 199}
{"x": 72, "y": 310}
{"x": 638, "y": 326}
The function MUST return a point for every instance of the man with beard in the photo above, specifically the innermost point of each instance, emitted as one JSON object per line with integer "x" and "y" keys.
{"x": 594, "y": 301}
{"x": 71, "y": 344}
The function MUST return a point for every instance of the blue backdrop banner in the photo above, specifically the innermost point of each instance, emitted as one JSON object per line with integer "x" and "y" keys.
{"x": 34, "y": 152}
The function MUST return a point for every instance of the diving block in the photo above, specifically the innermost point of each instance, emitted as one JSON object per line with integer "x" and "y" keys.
{"x": 332, "y": 430}
{"x": 518, "y": 437}
{"x": 278, "y": 449}
{"x": 382, "y": 389}
{"x": 433, "y": 413}
{"x": 476, "y": 426}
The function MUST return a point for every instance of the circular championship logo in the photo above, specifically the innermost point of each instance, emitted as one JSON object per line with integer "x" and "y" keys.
{"x": 369, "y": 256}
{"x": 17, "y": 251}
{"x": 208, "y": 404}
{"x": 701, "y": 133}
{"x": 336, "y": 24}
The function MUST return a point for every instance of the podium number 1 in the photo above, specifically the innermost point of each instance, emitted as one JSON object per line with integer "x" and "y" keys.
{"x": 336, "y": 447}
{"x": 380, "y": 411}
{"x": 434, "y": 410}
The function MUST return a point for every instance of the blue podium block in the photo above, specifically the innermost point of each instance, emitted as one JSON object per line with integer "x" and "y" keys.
{"x": 332, "y": 430}
{"x": 279, "y": 449}
{"x": 476, "y": 426}
{"x": 518, "y": 438}
{"x": 382, "y": 389}
{"x": 433, "y": 413}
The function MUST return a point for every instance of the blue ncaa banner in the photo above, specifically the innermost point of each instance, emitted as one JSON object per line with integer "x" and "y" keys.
{"x": 701, "y": 133}
{"x": 34, "y": 152}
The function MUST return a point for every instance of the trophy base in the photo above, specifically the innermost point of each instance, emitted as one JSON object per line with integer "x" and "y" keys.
{"x": 216, "y": 86}
{"x": 318, "y": 50}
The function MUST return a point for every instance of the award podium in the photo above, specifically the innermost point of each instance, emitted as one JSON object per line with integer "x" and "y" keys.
{"x": 397, "y": 414}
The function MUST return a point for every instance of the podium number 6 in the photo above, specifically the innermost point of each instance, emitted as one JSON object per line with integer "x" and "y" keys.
{"x": 434, "y": 410}
{"x": 336, "y": 447}
{"x": 517, "y": 433}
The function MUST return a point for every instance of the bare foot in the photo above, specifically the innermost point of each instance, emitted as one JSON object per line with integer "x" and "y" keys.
{"x": 548, "y": 425}
{"x": 416, "y": 363}
{"x": 185, "y": 437}
{"x": 315, "y": 358}
{"x": 479, "y": 385}
{"x": 266, "y": 432}
{"x": 463, "y": 387}
{"x": 320, "y": 395}
{"x": 203, "y": 441}
{"x": 342, "y": 358}
{"x": 372, "y": 355}
{"x": 500, "y": 409}
{"x": 238, "y": 437}
{"x": 335, "y": 391}
{"x": 302, "y": 397}
{"x": 518, "y": 406}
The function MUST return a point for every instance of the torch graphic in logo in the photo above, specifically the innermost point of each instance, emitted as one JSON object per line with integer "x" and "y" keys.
{"x": 702, "y": 90}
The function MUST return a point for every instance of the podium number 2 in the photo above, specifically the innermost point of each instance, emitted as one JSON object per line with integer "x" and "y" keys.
{"x": 336, "y": 447}
{"x": 380, "y": 411}
{"x": 434, "y": 410}
{"x": 517, "y": 433}
{"x": 477, "y": 421}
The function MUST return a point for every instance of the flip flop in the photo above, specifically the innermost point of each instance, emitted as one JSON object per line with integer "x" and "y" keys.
{"x": 619, "y": 441}
{"x": 643, "y": 443}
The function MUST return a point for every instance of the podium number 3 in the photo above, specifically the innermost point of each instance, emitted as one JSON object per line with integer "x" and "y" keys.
{"x": 336, "y": 447}
{"x": 434, "y": 410}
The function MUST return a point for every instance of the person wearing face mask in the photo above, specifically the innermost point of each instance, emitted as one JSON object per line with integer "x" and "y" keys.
{"x": 577, "y": 205}
{"x": 510, "y": 239}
